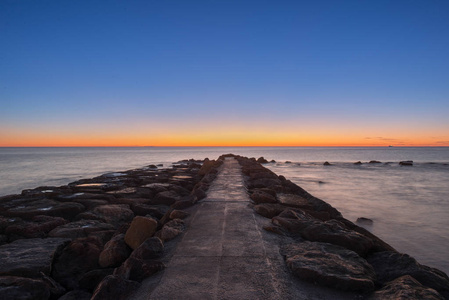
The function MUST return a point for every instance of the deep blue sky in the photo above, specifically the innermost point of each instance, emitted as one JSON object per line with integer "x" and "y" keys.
{"x": 161, "y": 69}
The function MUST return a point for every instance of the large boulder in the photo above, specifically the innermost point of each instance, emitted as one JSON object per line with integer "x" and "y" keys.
{"x": 66, "y": 210}
{"x": 329, "y": 265}
{"x": 166, "y": 198}
{"x": 138, "y": 269}
{"x": 269, "y": 210}
{"x": 114, "y": 214}
{"x": 79, "y": 229}
{"x": 79, "y": 257}
{"x": 141, "y": 228}
{"x": 13, "y": 288}
{"x": 259, "y": 196}
{"x": 91, "y": 279}
{"x": 171, "y": 229}
{"x": 151, "y": 248}
{"x": 114, "y": 252}
{"x": 390, "y": 265}
{"x": 115, "y": 287}
{"x": 29, "y": 257}
{"x": 37, "y": 228}
{"x": 406, "y": 288}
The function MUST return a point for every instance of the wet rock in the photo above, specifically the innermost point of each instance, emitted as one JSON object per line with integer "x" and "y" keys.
{"x": 265, "y": 183}
{"x": 406, "y": 163}
{"x": 103, "y": 236}
{"x": 390, "y": 265}
{"x": 79, "y": 229}
{"x": 38, "y": 227}
{"x": 166, "y": 198}
{"x": 151, "y": 248}
{"x": 29, "y": 257}
{"x": 76, "y": 295}
{"x": 77, "y": 258}
{"x": 259, "y": 196}
{"x": 199, "y": 192}
{"x": 171, "y": 230}
{"x": 115, "y": 252}
{"x": 375, "y": 162}
{"x": 326, "y": 163}
{"x": 115, "y": 287}
{"x": 405, "y": 288}
{"x": 141, "y": 228}
{"x": 288, "y": 162}
{"x": 91, "y": 279}
{"x": 66, "y": 210}
{"x": 13, "y": 288}
{"x": 184, "y": 203}
{"x": 114, "y": 214}
{"x": 272, "y": 161}
{"x": 329, "y": 265}
{"x": 138, "y": 269}
{"x": 178, "y": 214}
{"x": 358, "y": 163}
{"x": 269, "y": 210}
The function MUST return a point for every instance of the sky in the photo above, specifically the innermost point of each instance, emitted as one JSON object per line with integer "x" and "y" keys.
{"x": 224, "y": 73}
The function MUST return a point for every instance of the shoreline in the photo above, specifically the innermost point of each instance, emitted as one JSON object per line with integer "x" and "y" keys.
{"x": 81, "y": 211}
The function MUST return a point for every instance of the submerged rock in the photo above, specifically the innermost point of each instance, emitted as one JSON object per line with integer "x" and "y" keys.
{"x": 406, "y": 163}
{"x": 364, "y": 221}
{"x": 329, "y": 265}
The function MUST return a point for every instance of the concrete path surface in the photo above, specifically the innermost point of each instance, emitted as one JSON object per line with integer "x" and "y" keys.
{"x": 221, "y": 256}
{"x": 225, "y": 253}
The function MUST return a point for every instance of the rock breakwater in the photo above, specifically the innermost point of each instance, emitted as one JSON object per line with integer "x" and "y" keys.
{"x": 100, "y": 238}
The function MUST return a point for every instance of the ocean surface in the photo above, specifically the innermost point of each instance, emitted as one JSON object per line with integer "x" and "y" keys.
{"x": 409, "y": 205}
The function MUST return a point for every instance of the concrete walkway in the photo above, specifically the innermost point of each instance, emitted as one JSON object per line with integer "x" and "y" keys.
{"x": 222, "y": 254}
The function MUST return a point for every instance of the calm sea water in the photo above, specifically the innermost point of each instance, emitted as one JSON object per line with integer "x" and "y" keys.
{"x": 409, "y": 205}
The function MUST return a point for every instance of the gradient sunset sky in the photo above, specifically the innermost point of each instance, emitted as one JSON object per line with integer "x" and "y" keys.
{"x": 224, "y": 73}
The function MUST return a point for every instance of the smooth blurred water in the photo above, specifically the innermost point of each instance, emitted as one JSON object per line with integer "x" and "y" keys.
{"x": 409, "y": 205}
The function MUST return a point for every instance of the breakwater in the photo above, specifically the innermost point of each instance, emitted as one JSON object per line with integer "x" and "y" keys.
{"x": 108, "y": 236}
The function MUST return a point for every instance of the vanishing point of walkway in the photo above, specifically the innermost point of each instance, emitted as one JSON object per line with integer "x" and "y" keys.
{"x": 222, "y": 254}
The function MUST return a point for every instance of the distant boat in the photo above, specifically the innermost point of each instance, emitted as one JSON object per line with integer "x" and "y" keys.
{"x": 390, "y": 146}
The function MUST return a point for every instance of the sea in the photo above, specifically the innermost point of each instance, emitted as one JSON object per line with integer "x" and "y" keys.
{"x": 409, "y": 205}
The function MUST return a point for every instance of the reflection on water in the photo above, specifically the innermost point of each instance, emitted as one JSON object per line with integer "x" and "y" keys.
{"x": 409, "y": 205}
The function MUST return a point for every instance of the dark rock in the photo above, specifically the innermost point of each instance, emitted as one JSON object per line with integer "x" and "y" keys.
{"x": 76, "y": 295}
{"x": 103, "y": 236}
{"x": 406, "y": 163}
{"x": 14, "y": 288}
{"x": 184, "y": 203}
{"x": 115, "y": 287}
{"x": 141, "y": 228}
{"x": 375, "y": 162}
{"x": 326, "y": 163}
{"x": 171, "y": 229}
{"x": 272, "y": 161}
{"x": 115, "y": 252}
{"x": 166, "y": 198}
{"x": 79, "y": 257}
{"x": 329, "y": 265}
{"x": 138, "y": 269}
{"x": 151, "y": 248}
{"x": 66, "y": 210}
{"x": 114, "y": 214}
{"x": 390, "y": 265}
{"x": 259, "y": 196}
{"x": 178, "y": 214}
{"x": 364, "y": 221}
{"x": 288, "y": 162}
{"x": 265, "y": 183}
{"x": 208, "y": 165}
{"x": 29, "y": 257}
{"x": 199, "y": 192}
{"x": 294, "y": 200}
{"x": 406, "y": 288}
{"x": 358, "y": 163}
{"x": 79, "y": 229}
{"x": 156, "y": 211}
{"x": 91, "y": 279}
{"x": 269, "y": 210}
{"x": 262, "y": 160}
{"x": 38, "y": 227}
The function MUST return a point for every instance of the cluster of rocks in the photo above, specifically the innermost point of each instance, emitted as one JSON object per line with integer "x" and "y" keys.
{"x": 95, "y": 238}
{"x": 332, "y": 251}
